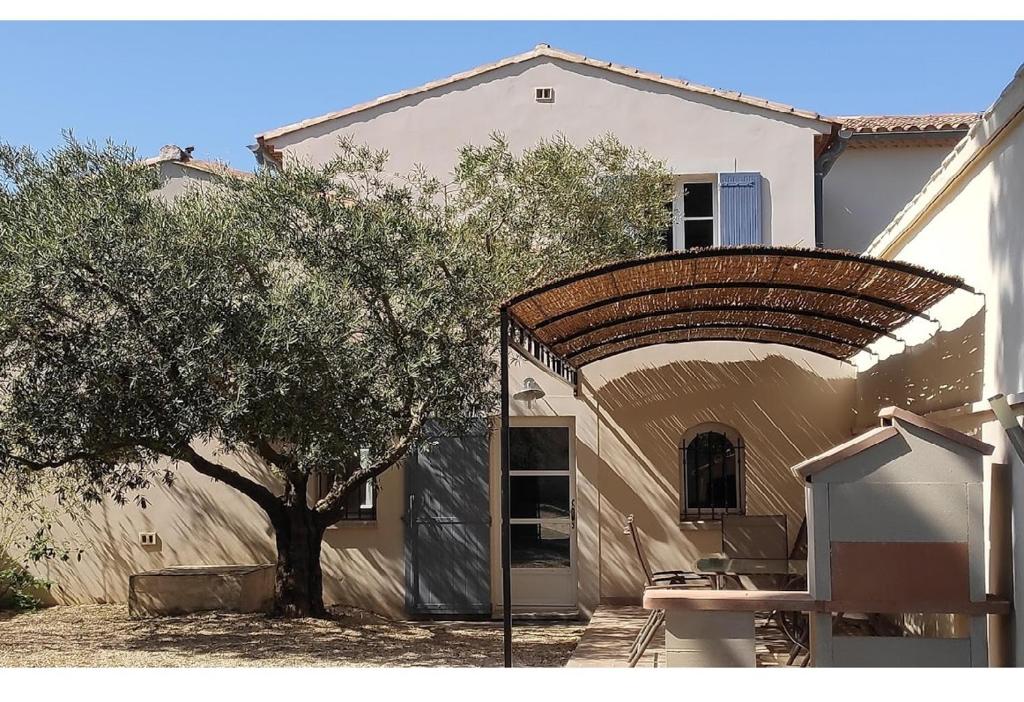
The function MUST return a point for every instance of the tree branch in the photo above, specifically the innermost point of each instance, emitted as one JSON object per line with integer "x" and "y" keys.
{"x": 250, "y": 488}
{"x": 268, "y": 454}
{"x": 60, "y": 462}
{"x": 329, "y": 506}
{"x": 97, "y": 282}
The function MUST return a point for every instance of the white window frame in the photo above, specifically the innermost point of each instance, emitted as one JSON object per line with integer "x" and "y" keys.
{"x": 679, "y": 217}
{"x": 368, "y": 500}
{"x": 569, "y": 472}
{"x": 364, "y": 460}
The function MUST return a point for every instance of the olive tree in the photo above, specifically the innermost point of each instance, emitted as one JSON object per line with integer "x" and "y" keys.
{"x": 303, "y": 316}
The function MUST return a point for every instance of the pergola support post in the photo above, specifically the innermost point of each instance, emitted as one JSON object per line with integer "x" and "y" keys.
{"x": 506, "y": 532}
{"x": 1008, "y": 420}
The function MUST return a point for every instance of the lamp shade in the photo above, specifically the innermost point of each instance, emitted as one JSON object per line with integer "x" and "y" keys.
{"x": 531, "y": 391}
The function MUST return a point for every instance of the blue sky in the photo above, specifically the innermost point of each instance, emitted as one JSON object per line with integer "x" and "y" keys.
{"x": 215, "y": 85}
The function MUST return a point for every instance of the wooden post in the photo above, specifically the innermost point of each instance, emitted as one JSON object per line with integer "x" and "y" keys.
{"x": 1006, "y": 417}
{"x": 821, "y": 639}
{"x": 506, "y": 532}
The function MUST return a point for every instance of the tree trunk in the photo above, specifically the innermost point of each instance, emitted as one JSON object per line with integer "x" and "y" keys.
{"x": 298, "y": 586}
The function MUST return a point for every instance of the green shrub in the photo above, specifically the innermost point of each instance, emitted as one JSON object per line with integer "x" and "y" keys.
{"x": 28, "y": 512}
{"x": 19, "y": 589}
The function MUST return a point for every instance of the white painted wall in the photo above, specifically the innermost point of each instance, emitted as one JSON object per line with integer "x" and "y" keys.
{"x": 692, "y": 133}
{"x": 975, "y": 228}
{"x": 868, "y": 186}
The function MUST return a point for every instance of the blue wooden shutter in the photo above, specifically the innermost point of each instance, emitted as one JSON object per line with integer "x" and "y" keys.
{"x": 740, "y": 206}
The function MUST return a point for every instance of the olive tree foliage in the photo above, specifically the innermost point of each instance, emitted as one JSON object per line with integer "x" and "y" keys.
{"x": 296, "y": 316}
{"x": 557, "y": 208}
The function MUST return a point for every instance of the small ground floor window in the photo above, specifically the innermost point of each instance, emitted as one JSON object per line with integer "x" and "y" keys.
{"x": 712, "y": 469}
{"x": 360, "y": 503}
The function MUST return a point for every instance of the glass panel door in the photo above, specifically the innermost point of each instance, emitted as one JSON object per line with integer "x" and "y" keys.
{"x": 543, "y": 516}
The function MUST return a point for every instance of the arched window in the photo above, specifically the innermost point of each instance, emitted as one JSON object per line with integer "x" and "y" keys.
{"x": 711, "y": 458}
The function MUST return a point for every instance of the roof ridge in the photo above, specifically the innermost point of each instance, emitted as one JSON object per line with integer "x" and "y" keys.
{"x": 888, "y": 414}
{"x": 912, "y": 114}
{"x": 546, "y": 50}
{"x": 213, "y": 166}
{"x": 872, "y": 437}
{"x": 894, "y": 123}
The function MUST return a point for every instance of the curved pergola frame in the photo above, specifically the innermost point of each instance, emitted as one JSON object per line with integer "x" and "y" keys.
{"x": 829, "y": 302}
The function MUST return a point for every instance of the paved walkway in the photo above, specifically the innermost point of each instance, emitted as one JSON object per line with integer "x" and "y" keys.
{"x": 606, "y": 640}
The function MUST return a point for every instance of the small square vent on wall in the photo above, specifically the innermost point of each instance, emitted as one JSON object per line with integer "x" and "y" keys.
{"x": 147, "y": 538}
{"x": 544, "y": 94}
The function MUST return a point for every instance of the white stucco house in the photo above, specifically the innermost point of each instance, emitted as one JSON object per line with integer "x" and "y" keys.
{"x": 750, "y": 172}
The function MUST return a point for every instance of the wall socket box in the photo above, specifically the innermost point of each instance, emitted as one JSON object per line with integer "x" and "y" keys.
{"x": 147, "y": 538}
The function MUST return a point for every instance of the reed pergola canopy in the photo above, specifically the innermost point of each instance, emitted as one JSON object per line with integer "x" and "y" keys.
{"x": 829, "y": 302}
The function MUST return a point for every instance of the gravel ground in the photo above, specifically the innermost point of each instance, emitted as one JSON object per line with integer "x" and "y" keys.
{"x": 104, "y": 636}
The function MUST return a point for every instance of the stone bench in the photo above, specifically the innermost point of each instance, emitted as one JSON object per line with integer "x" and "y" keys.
{"x": 185, "y": 589}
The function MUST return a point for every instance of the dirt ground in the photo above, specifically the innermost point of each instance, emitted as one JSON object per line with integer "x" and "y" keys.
{"x": 104, "y": 636}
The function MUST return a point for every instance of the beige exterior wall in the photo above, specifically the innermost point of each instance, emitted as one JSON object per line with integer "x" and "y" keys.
{"x": 787, "y": 406}
{"x": 175, "y": 179}
{"x": 868, "y": 186}
{"x": 692, "y": 133}
{"x": 199, "y": 521}
{"x": 968, "y": 222}
{"x": 974, "y": 232}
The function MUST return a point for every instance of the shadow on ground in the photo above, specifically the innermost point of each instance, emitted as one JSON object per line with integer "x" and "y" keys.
{"x": 104, "y": 636}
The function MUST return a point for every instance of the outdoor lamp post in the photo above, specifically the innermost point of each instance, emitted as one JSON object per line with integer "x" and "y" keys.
{"x": 506, "y": 533}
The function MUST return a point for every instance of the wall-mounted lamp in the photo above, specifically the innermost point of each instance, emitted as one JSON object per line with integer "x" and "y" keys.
{"x": 531, "y": 391}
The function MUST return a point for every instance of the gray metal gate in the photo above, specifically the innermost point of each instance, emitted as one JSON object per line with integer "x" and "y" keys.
{"x": 447, "y": 526}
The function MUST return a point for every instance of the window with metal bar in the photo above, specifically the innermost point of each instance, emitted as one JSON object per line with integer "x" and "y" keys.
{"x": 712, "y": 475}
{"x": 360, "y": 503}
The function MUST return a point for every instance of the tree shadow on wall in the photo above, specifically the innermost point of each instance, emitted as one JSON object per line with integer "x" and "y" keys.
{"x": 784, "y": 410}
{"x": 945, "y": 371}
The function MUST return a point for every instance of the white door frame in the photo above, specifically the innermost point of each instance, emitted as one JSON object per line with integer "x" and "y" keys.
{"x": 547, "y": 589}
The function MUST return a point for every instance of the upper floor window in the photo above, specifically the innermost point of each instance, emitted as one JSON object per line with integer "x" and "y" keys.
{"x": 694, "y": 214}
{"x": 722, "y": 209}
{"x": 712, "y": 472}
{"x": 697, "y": 214}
